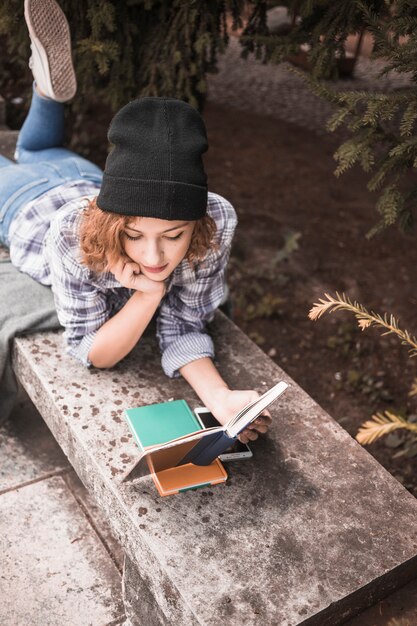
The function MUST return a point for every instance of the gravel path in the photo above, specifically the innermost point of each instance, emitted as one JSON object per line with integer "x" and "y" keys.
{"x": 273, "y": 90}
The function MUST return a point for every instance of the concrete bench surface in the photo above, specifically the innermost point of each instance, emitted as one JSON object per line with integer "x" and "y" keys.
{"x": 310, "y": 531}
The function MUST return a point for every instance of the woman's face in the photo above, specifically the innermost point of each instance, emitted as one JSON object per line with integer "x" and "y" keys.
{"x": 157, "y": 245}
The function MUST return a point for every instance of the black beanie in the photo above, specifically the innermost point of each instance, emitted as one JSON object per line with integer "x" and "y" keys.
{"x": 155, "y": 168}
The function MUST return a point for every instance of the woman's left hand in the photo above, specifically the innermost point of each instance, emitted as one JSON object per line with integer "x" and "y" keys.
{"x": 227, "y": 403}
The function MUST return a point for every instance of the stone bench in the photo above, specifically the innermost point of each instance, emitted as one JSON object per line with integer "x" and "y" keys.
{"x": 310, "y": 531}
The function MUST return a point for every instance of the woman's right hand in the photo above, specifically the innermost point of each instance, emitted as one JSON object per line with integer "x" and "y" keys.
{"x": 128, "y": 274}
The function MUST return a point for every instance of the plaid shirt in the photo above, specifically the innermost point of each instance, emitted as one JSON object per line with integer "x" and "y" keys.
{"x": 44, "y": 244}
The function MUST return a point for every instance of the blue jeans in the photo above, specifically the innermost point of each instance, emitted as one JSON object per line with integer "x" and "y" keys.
{"x": 41, "y": 161}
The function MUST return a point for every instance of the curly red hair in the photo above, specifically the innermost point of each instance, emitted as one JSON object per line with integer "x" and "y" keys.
{"x": 101, "y": 242}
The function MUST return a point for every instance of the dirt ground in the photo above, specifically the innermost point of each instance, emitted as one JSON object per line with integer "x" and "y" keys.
{"x": 280, "y": 179}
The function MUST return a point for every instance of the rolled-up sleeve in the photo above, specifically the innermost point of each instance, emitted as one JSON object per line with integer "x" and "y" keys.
{"x": 81, "y": 307}
{"x": 186, "y": 309}
{"x": 186, "y": 348}
{"x": 81, "y": 349}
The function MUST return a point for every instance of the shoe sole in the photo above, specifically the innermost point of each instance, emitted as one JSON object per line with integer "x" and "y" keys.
{"x": 49, "y": 32}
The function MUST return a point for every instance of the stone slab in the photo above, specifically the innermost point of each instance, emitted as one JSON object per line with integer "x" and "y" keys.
{"x": 28, "y": 450}
{"x": 54, "y": 568}
{"x": 311, "y": 531}
{"x": 96, "y": 517}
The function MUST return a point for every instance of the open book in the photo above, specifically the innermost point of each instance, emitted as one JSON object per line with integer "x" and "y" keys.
{"x": 199, "y": 447}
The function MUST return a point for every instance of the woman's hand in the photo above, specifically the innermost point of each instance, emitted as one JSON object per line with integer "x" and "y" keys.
{"x": 227, "y": 403}
{"x": 129, "y": 275}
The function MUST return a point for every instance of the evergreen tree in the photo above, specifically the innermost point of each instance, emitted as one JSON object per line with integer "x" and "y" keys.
{"x": 382, "y": 125}
{"x": 123, "y": 50}
{"x": 126, "y": 49}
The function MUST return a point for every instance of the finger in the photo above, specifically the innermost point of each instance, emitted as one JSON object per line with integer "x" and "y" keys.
{"x": 130, "y": 269}
{"x": 252, "y": 435}
{"x": 263, "y": 421}
{"x": 132, "y": 266}
{"x": 259, "y": 428}
{"x": 266, "y": 423}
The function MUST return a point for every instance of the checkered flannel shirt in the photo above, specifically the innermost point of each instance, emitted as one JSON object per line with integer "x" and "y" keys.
{"x": 44, "y": 244}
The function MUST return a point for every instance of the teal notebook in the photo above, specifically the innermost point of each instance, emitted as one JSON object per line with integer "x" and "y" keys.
{"x": 159, "y": 423}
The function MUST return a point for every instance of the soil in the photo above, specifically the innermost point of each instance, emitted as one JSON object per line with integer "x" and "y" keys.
{"x": 302, "y": 232}
{"x": 280, "y": 179}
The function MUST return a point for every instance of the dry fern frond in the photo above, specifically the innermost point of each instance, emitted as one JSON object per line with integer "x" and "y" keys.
{"x": 364, "y": 317}
{"x": 380, "y": 425}
{"x": 320, "y": 307}
{"x": 399, "y": 622}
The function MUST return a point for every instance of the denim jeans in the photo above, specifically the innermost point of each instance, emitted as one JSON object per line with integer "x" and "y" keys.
{"x": 41, "y": 161}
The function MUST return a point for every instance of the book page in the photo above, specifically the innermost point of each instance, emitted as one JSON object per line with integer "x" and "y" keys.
{"x": 251, "y": 411}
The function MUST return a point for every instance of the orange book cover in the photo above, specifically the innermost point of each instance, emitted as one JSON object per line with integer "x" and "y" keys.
{"x": 185, "y": 477}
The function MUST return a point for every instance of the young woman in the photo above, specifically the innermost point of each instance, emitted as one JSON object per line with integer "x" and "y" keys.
{"x": 144, "y": 238}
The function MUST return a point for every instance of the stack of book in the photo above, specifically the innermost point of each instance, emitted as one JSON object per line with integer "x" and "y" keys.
{"x": 180, "y": 454}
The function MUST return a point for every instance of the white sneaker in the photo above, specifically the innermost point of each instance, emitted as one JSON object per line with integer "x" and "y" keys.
{"x": 51, "y": 60}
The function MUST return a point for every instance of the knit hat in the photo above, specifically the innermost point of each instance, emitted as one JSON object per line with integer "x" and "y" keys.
{"x": 155, "y": 168}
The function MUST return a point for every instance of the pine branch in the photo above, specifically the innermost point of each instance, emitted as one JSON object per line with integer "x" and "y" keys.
{"x": 408, "y": 119}
{"x": 143, "y": 47}
{"x": 365, "y": 318}
{"x": 390, "y": 204}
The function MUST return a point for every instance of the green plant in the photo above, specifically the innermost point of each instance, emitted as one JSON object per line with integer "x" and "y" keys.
{"x": 382, "y": 125}
{"x": 259, "y": 283}
{"x": 380, "y": 424}
{"x": 291, "y": 239}
{"x": 268, "y": 306}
